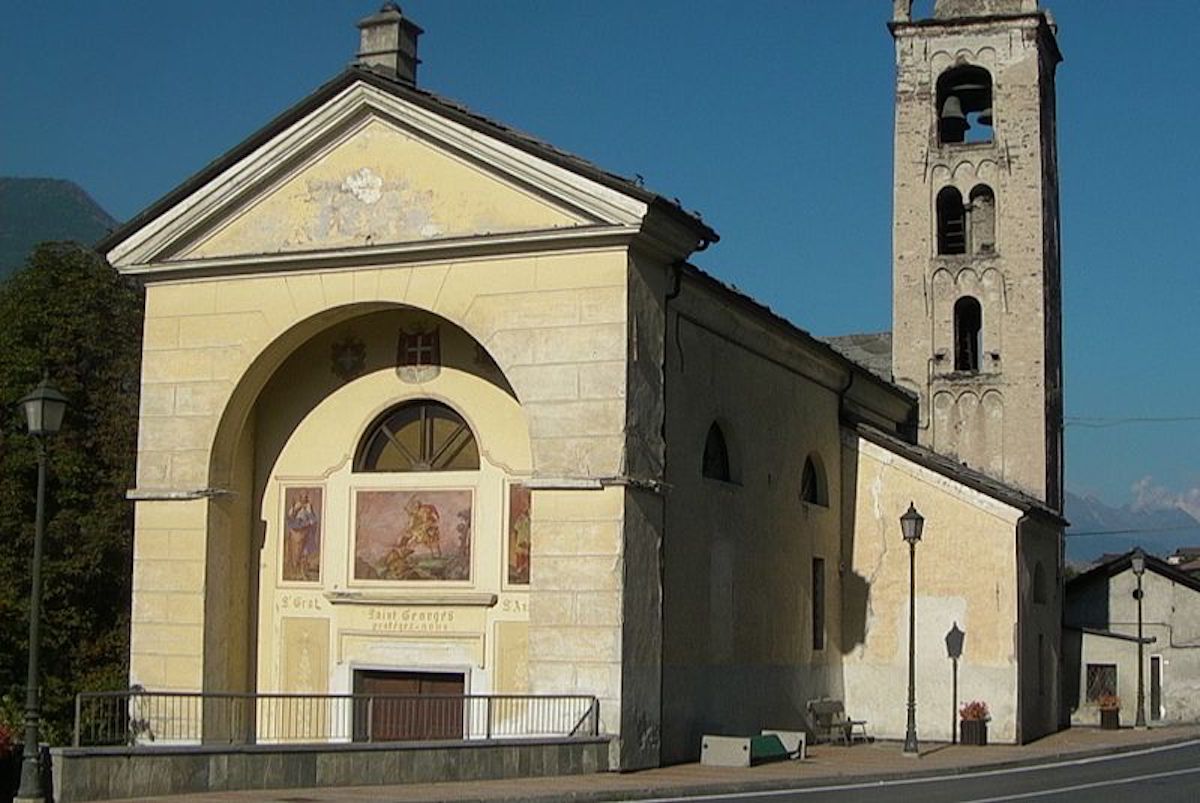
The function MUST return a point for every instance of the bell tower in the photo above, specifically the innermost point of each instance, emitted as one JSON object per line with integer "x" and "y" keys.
{"x": 976, "y": 289}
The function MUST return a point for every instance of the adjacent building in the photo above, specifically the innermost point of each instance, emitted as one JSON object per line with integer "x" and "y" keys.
{"x": 1101, "y": 641}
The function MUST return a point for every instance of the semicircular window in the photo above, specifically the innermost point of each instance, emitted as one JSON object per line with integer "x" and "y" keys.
{"x": 418, "y": 436}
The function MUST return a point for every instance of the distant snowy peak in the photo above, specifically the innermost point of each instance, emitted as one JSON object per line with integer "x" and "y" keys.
{"x": 1097, "y": 528}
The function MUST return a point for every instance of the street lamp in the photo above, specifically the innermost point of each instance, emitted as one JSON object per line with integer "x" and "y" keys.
{"x": 911, "y": 524}
{"x": 44, "y": 408}
{"x": 1138, "y": 561}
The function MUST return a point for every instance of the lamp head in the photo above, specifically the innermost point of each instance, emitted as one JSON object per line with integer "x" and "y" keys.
{"x": 1138, "y": 561}
{"x": 911, "y": 524}
{"x": 44, "y": 407}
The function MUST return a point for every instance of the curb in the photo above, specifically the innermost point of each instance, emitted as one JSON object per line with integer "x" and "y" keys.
{"x": 773, "y": 785}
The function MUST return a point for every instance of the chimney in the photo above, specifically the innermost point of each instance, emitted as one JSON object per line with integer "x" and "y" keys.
{"x": 388, "y": 43}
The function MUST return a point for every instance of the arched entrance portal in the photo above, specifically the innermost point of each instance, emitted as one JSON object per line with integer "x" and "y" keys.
{"x": 375, "y": 532}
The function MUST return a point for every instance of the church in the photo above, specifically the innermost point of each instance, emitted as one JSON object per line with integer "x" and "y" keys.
{"x": 429, "y": 406}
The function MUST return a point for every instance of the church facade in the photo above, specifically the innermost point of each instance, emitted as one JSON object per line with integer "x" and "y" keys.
{"x": 430, "y": 406}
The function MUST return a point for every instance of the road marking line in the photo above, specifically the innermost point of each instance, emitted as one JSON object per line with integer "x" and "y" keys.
{"x": 810, "y": 790}
{"x": 1095, "y": 784}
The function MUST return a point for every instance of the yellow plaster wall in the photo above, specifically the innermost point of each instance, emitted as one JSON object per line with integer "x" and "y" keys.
{"x": 554, "y": 323}
{"x": 379, "y": 184}
{"x": 966, "y": 572}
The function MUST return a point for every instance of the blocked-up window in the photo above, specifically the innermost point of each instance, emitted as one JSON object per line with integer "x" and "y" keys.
{"x": 1101, "y": 681}
{"x": 982, "y": 217}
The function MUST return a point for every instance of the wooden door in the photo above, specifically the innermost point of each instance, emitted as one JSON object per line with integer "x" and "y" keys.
{"x": 431, "y": 708}
{"x": 1156, "y": 687}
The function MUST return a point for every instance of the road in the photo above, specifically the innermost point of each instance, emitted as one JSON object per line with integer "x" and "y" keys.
{"x": 1157, "y": 774}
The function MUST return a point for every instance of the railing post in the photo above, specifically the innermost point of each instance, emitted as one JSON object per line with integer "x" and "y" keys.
{"x": 488, "y": 699}
{"x": 78, "y": 708}
{"x": 371, "y": 718}
{"x": 595, "y": 716}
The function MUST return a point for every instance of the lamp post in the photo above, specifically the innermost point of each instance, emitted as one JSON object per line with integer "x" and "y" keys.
{"x": 44, "y": 408}
{"x": 911, "y": 524}
{"x": 1138, "y": 562}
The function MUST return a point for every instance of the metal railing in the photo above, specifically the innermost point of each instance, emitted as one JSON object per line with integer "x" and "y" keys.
{"x": 137, "y": 717}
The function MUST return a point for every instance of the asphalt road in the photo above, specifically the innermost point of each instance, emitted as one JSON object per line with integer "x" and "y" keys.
{"x": 1155, "y": 775}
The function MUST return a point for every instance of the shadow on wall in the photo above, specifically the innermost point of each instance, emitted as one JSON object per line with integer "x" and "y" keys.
{"x": 1072, "y": 666}
{"x": 856, "y": 590}
{"x": 855, "y": 594}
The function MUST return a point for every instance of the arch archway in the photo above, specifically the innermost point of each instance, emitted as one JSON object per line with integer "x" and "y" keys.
{"x": 287, "y": 440}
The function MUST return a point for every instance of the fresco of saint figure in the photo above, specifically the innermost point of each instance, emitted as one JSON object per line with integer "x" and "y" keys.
{"x": 518, "y": 534}
{"x": 302, "y": 535}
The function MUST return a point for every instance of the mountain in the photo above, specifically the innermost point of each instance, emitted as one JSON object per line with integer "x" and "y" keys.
{"x": 1159, "y": 530}
{"x": 34, "y": 210}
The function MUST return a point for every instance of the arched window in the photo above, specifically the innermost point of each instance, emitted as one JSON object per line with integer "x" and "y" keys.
{"x": 968, "y": 328}
{"x": 951, "y": 222}
{"x": 1039, "y": 583}
{"x": 982, "y": 217}
{"x": 812, "y": 483}
{"x": 418, "y": 436}
{"x": 964, "y": 105}
{"x": 716, "y": 455}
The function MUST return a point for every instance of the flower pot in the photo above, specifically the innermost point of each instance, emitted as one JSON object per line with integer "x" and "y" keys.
{"x": 973, "y": 732}
{"x": 1110, "y": 719}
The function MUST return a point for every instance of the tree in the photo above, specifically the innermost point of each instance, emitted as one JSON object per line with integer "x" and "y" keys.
{"x": 69, "y": 314}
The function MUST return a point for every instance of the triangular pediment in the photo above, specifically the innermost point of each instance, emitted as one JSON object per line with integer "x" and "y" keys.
{"x": 381, "y": 184}
{"x": 368, "y": 170}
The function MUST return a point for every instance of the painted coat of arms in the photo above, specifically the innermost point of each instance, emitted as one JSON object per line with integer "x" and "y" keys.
{"x": 419, "y": 355}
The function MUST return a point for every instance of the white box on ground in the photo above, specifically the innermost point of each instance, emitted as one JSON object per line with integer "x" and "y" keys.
{"x": 725, "y": 751}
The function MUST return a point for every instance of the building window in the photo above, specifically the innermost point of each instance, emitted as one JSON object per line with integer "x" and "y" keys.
{"x": 418, "y": 436}
{"x": 968, "y": 329}
{"x": 1041, "y": 665}
{"x": 715, "y": 464}
{"x": 818, "y": 603}
{"x": 1101, "y": 681}
{"x": 964, "y": 105}
{"x": 951, "y": 222}
{"x": 812, "y": 482}
{"x": 981, "y": 215}
{"x": 1039, "y": 583}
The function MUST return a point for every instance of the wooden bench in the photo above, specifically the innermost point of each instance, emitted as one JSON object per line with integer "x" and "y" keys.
{"x": 830, "y": 723}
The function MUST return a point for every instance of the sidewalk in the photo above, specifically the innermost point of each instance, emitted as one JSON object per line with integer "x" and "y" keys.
{"x": 825, "y": 764}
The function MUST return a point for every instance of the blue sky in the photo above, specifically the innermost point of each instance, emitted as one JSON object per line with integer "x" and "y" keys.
{"x": 771, "y": 118}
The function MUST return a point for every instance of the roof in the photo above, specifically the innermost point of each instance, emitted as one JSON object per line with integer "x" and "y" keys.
{"x": 1099, "y": 631}
{"x": 756, "y": 307}
{"x": 1122, "y": 563}
{"x": 444, "y": 107}
{"x": 871, "y": 350}
{"x": 960, "y": 472}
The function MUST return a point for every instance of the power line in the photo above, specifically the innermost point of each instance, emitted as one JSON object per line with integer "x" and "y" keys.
{"x": 1135, "y": 530}
{"x": 1102, "y": 422}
